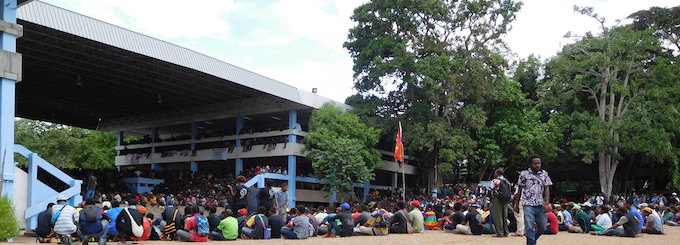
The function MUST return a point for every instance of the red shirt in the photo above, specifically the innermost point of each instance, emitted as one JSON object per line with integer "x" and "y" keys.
{"x": 147, "y": 229}
{"x": 190, "y": 225}
{"x": 355, "y": 216}
{"x": 552, "y": 222}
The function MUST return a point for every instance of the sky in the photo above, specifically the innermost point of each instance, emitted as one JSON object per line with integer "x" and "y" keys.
{"x": 299, "y": 42}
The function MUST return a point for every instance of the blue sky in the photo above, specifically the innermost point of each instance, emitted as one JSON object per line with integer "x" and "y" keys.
{"x": 299, "y": 42}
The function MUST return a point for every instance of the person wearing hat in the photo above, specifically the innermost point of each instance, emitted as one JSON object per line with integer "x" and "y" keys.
{"x": 65, "y": 216}
{"x": 653, "y": 224}
{"x": 472, "y": 224}
{"x": 346, "y": 226}
{"x": 674, "y": 199}
{"x": 241, "y": 219}
{"x": 416, "y": 218}
{"x": 582, "y": 218}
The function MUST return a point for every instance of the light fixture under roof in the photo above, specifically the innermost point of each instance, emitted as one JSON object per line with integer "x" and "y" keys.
{"x": 247, "y": 118}
{"x": 276, "y": 118}
{"x": 207, "y": 122}
{"x": 160, "y": 100}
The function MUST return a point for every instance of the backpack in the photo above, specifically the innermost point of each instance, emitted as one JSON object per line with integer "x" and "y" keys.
{"x": 171, "y": 226}
{"x": 504, "y": 192}
{"x": 202, "y": 226}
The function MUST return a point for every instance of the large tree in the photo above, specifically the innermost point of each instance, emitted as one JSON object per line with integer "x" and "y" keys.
{"x": 433, "y": 63}
{"x": 601, "y": 84}
{"x": 341, "y": 148}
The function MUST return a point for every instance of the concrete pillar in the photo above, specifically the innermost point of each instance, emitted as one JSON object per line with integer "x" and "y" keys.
{"x": 367, "y": 188}
{"x": 121, "y": 137}
{"x": 239, "y": 161}
{"x": 154, "y": 136}
{"x": 7, "y": 102}
{"x": 292, "y": 123}
{"x": 194, "y": 136}
{"x": 292, "y": 175}
{"x": 239, "y": 166}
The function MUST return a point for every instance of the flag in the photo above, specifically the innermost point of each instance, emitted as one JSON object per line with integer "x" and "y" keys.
{"x": 399, "y": 147}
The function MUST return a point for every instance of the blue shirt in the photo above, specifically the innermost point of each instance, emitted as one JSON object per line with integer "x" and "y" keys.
{"x": 634, "y": 211}
{"x": 113, "y": 214}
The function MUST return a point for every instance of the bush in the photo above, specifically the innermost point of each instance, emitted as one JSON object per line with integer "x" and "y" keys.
{"x": 9, "y": 227}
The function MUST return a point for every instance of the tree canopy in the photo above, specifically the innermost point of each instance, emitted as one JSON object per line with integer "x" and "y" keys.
{"x": 341, "y": 148}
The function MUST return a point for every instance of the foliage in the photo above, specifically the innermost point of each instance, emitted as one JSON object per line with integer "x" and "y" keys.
{"x": 603, "y": 86}
{"x": 65, "y": 146}
{"x": 664, "y": 21}
{"x": 341, "y": 148}
{"x": 443, "y": 59}
{"x": 9, "y": 227}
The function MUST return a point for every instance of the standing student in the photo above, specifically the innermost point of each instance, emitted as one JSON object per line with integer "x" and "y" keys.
{"x": 501, "y": 198}
{"x": 265, "y": 195}
{"x": 240, "y": 194}
{"x": 534, "y": 195}
{"x": 281, "y": 201}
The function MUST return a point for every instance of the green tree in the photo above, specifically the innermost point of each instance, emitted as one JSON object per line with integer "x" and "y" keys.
{"x": 664, "y": 21}
{"x": 65, "y": 146}
{"x": 341, "y": 148}
{"x": 600, "y": 84}
{"x": 443, "y": 60}
{"x": 9, "y": 227}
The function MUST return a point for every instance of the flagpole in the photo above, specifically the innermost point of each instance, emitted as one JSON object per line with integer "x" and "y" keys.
{"x": 403, "y": 179}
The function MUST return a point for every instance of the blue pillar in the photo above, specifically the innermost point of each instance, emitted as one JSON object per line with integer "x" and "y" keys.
{"x": 157, "y": 166}
{"x": 121, "y": 137}
{"x": 292, "y": 167}
{"x": 239, "y": 161}
{"x": 333, "y": 199}
{"x": 194, "y": 136}
{"x": 395, "y": 179}
{"x": 367, "y": 186}
{"x": 7, "y": 103}
{"x": 292, "y": 124}
{"x": 154, "y": 136}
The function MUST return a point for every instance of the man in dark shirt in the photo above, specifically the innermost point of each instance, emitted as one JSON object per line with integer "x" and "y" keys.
{"x": 627, "y": 220}
{"x": 399, "y": 222}
{"x": 363, "y": 217}
{"x": 240, "y": 194}
{"x": 266, "y": 195}
{"x": 213, "y": 219}
{"x": 346, "y": 228}
{"x": 44, "y": 229}
{"x": 275, "y": 222}
{"x": 472, "y": 224}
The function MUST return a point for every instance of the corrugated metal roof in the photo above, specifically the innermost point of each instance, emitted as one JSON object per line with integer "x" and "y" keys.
{"x": 83, "y": 26}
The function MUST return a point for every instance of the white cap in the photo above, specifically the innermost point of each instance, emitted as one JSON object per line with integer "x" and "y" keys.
{"x": 586, "y": 204}
{"x": 675, "y": 194}
{"x": 106, "y": 204}
{"x": 644, "y": 205}
{"x": 61, "y": 198}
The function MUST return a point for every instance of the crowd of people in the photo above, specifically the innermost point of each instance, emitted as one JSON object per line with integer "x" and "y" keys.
{"x": 262, "y": 213}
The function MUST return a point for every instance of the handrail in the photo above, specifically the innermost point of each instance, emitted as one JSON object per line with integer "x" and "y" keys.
{"x": 214, "y": 139}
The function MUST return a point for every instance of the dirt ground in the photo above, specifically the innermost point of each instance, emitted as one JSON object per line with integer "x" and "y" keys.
{"x": 441, "y": 237}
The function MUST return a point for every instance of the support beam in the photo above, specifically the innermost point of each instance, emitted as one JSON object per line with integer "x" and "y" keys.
{"x": 239, "y": 166}
{"x": 292, "y": 172}
{"x": 194, "y": 135}
{"x": 154, "y": 137}
{"x": 156, "y": 166}
{"x": 194, "y": 167}
{"x": 121, "y": 137}
{"x": 367, "y": 189}
{"x": 239, "y": 126}
{"x": 333, "y": 199}
{"x": 395, "y": 180}
{"x": 292, "y": 123}
{"x": 7, "y": 103}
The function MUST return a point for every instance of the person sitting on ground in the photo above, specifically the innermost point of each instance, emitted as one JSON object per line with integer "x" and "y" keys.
{"x": 113, "y": 214}
{"x": 653, "y": 224}
{"x": 320, "y": 215}
{"x": 626, "y": 220}
{"x": 227, "y": 229}
{"x": 602, "y": 221}
{"x": 399, "y": 222}
{"x": 560, "y": 217}
{"x": 92, "y": 222}
{"x": 64, "y": 218}
{"x": 170, "y": 217}
{"x": 44, "y": 230}
{"x": 416, "y": 218}
{"x": 552, "y": 228}
{"x": 377, "y": 225}
{"x": 196, "y": 227}
{"x": 299, "y": 227}
{"x": 456, "y": 217}
{"x": 632, "y": 209}
{"x": 364, "y": 215}
{"x": 256, "y": 225}
{"x": 148, "y": 227}
{"x": 325, "y": 227}
{"x": 275, "y": 222}
{"x": 669, "y": 216}
{"x": 430, "y": 218}
{"x": 213, "y": 219}
{"x": 472, "y": 223}
{"x": 582, "y": 219}
{"x": 345, "y": 227}
{"x": 242, "y": 219}
{"x": 130, "y": 222}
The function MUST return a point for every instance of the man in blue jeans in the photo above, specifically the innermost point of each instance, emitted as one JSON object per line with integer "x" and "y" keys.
{"x": 534, "y": 193}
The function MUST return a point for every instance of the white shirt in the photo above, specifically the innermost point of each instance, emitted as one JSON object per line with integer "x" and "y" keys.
{"x": 320, "y": 216}
{"x": 604, "y": 221}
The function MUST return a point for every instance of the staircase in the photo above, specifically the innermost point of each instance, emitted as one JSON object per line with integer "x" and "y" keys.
{"x": 40, "y": 194}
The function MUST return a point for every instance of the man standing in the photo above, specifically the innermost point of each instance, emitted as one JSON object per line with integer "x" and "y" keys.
{"x": 266, "y": 195}
{"x": 534, "y": 193}
{"x": 240, "y": 194}
{"x": 281, "y": 201}
{"x": 499, "y": 203}
{"x": 91, "y": 186}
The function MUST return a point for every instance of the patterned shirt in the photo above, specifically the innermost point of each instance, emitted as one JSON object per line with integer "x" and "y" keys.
{"x": 532, "y": 187}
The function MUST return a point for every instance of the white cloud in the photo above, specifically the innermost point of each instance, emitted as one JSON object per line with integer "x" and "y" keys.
{"x": 333, "y": 79}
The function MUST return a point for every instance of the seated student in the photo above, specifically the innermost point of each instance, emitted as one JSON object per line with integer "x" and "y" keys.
{"x": 602, "y": 221}
{"x": 512, "y": 220}
{"x": 487, "y": 220}
{"x": 92, "y": 222}
{"x": 346, "y": 226}
{"x": 148, "y": 227}
{"x": 44, "y": 230}
{"x": 472, "y": 223}
{"x": 653, "y": 223}
{"x": 582, "y": 219}
{"x": 430, "y": 218}
{"x": 275, "y": 222}
{"x": 552, "y": 222}
{"x": 326, "y": 227}
{"x": 456, "y": 217}
{"x": 377, "y": 225}
{"x": 256, "y": 225}
{"x": 113, "y": 214}
{"x": 312, "y": 222}
{"x": 228, "y": 227}
{"x": 196, "y": 227}
{"x": 626, "y": 220}
{"x": 129, "y": 222}
{"x": 669, "y": 216}
{"x": 242, "y": 219}
{"x": 416, "y": 218}
{"x": 299, "y": 227}
{"x": 560, "y": 218}
{"x": 399, "y": 222}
